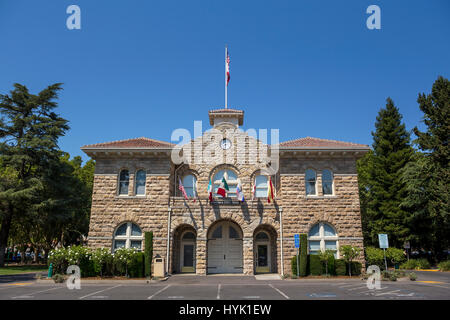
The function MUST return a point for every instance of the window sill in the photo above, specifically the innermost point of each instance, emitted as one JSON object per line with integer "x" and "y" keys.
{"x": 131, "y": 197}
{"x": 321, "y": 197}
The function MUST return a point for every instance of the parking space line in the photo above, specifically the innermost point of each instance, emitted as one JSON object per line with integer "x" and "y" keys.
{"x": 279, "y": 291}
{"x": 218, "y": 292}
{"x": 91, "y": 294}
{"x": 159, "y": 291}
{"x": 374, "y": 290}
{"x": 251, "y": 297}
{"x": 33, "y": 293}
{"x": 380, "y": 294}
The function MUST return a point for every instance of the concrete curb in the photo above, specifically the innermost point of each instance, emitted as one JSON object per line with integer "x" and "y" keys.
{"x": 107, "y": 281}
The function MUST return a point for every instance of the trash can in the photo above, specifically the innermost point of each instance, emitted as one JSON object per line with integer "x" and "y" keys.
{"x": 396, "y": 266}
{"x": 158, "y": 269}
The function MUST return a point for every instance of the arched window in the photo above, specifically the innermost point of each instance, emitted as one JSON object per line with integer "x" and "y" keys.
{"x": 189, "y": 184}
{"x": 322, "y": 236}
{"x": 262, "y": 236}
{"x": 127, "y": 235}
{"x": 231, "y": 179}
{"x": 140, "y": 182}
{"x": 124, "y": 181}
{"x": 310, "y": 178}
{"x": 189, "y": 236}
{"x": 261, "y": 186}
{"x": 327, "y": 182}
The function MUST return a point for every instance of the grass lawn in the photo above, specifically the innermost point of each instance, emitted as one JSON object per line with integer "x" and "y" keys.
{"x": 15, "y": 269}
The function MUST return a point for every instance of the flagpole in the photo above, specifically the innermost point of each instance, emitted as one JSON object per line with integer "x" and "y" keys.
{"x": 226, "y": 89}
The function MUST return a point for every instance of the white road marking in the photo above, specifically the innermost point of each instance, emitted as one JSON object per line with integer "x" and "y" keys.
{"x": 159, "y": 291}
{"x": 389, "y": 292}
{"x": 364, "y": 287}
{"x": 99, "y": 297}
{"x": 251, "y": 297}
{"x": 23, "y": 297}
{"x": 279, "y": 291}
{"x": 218, "y": 291}
{"x": 374, "y": 290}
{"x": 350, "y": 285}
{"x": 33, "y": 293}
{"x": 175, "y": 297}
{"x": 91, "y": 294}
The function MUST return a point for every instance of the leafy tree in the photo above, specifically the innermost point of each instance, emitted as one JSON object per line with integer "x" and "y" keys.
{"x": 395, "y": 255}
{"x": 431, "y": 175}
{"x": 324, "y": 256}
{"x": 349, "y": 253}
{"x": 381, "y": 186}
{"x": 29, "y": 132}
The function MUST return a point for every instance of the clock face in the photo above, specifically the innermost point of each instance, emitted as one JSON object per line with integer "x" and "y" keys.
{"x": 225, "y": 144}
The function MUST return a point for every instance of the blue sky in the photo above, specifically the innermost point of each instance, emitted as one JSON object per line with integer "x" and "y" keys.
{"x": 144, "y": 68}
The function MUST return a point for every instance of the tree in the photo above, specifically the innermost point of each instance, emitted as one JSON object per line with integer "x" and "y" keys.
{"x": 29, "y": 132}
{"x": 382, "y": 189}
{"x": 324, "y": 256}
{"x": 349, "y": 253}
{"x": 435, "y": 181}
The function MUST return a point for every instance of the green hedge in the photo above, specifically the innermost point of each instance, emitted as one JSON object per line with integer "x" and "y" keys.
{"x": 315, "y": 266}
{"x": 148, "y": 253}
{"x": 303, "y": 254}
{"x": 136, "y": 267}
{"x": 356, "y": 268}
{"x": 331, "y": 266}
{"x": 294, "y": 265}
{"x": 340, "y": 267}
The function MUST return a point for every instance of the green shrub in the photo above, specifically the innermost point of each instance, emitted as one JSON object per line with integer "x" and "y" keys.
{"x": 395, "y": 255}
{"x": 356, "y": 268}
{"x": 375, "y": 256}
{"x": 444, "y": 265}
{"x": 148, "y": 253}
{"x": 101, "y": 257}
{"x": 349, "y": 253}
{"x": 409, "y": 265}
{"x": 412, "y": 276}
{"x": 58, "y": 278}
{"x": 303, "y": 263}
{"x": 423, "y": 264}
{"x": 137, "y": 266}
{"x": 294, "y": 266}
{"x": 331, "y": 265}
{"x": 340, "y": 267}
{"x": 315, "y": 266}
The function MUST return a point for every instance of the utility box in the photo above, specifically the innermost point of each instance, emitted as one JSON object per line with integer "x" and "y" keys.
{"x": 158, "y": 269}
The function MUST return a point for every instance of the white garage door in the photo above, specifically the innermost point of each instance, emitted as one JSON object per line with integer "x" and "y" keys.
{"x": 225, "y": 249}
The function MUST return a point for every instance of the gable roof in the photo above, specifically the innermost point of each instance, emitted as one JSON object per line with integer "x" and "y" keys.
{"x": 310, "y": 142}
{"x": 141, "y": 142}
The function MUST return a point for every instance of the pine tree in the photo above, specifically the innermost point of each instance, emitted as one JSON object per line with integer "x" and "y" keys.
{"x": 382, "y": 187}
{"x": 29, "y": 132}
{"x": 433, "y": 179}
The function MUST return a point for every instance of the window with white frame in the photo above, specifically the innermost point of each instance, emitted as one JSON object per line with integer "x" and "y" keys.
{"x": 127, "y": 235}
{"x": 140, "y": 182}
{"x": 124, "y": 181}
{"x": 322, "y": 236}
{"x": 310, "y": 180}
{"x": 327, "y": 182}
{"x": 261, "y": 186}
{"x": 231, "y": 179}
{"x": 189, "y": 184}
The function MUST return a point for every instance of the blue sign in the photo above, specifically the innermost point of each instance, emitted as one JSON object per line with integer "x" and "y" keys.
{"x": 383, "y": 240}
{"x": 297, "y": 240}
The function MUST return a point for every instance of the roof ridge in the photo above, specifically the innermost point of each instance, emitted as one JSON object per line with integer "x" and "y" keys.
{"x": 322, "y": 139}
{"x": 125, "y": 140}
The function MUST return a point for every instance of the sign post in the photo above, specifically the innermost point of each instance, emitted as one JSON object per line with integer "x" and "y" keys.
{"x": 407, "y": 246}
{"x": 384, "y": 244}
{"x": 297, "y": 245}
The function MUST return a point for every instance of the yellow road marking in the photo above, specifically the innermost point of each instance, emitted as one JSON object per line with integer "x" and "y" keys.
{"x": 431, "y": 281}
{"x": 19, "y": 284}
{"x": 431, "y": 270}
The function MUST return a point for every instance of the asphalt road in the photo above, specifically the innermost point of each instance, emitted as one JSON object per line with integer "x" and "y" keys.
{"x": 429, "y": 286}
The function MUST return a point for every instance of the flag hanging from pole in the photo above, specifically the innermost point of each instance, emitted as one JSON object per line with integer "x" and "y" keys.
{"x": 181, "y": 188}
{"x": 270, "y": 190}
{"x": 227, "y": 67}
{"x": 239, "y": 193}
{"x": 210, "y": 191}
{"x": 223, "y": 188}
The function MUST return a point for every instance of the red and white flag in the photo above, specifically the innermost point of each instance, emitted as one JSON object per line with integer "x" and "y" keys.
{"x": 181, "y": 188}
{"x": 227, "y": 67}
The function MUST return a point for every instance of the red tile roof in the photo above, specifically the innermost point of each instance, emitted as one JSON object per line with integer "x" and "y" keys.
{"x": 132, "y": 143}
{"x": 310, "y": 142}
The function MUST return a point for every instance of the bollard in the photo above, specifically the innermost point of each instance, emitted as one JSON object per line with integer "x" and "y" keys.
{"x": 50, "y": 271}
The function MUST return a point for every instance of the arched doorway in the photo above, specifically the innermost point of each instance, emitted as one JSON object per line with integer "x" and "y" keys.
{"x": 184, "y": 249}
{"x": 225, "y": 248}
{"x": 187, "y": 252}
{"x": 265, "y": 249}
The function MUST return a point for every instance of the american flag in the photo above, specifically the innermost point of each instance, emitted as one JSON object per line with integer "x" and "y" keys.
{"x": 228, "y": 67}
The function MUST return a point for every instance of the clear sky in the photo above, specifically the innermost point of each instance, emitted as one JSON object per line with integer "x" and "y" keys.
{"x": 144, "y": 68}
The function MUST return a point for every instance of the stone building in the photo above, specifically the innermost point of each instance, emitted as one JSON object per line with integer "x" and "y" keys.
{"x": 137, "y": 189}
